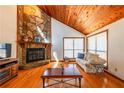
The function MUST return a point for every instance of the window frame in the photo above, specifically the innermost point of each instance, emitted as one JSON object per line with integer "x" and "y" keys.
{"x": 73, "y": 44}
{"x": 96, "y": 44}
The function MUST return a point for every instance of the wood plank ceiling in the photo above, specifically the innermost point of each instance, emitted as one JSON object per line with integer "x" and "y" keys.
{"x": 85, "y": 18}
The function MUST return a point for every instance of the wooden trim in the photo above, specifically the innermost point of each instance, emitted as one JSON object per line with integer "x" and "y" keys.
{"x": 113, "y": 75}
{"x": 73, "y": 44}
{"x": 63, "y": 48}
{"x": 106, "y": 39}
{"x": 17, "y": 31}
{"x": 73, "y": 49}
{"x": 86, "y": 44}
{"x": 107, "y": 47}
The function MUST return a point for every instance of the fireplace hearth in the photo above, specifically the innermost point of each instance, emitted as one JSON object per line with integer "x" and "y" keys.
{"x": 35, "y": 54}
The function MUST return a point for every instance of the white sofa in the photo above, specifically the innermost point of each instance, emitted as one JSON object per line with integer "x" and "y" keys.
{"x": 91, "y": 63}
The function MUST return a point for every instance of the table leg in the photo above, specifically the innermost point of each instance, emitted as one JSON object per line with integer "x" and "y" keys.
{"x": 79, "y": 82}
{"x": 43, "y": 82}
{"x": 75, "y": 81}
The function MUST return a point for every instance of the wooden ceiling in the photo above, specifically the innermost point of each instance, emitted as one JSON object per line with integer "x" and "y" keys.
{"x": 85, "y": 18}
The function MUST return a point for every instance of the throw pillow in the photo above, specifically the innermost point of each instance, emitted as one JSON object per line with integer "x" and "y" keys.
{"x": 93, "y": 58}
{"x": 80, "y": 56}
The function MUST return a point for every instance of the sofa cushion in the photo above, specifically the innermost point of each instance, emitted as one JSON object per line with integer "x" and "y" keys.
{"x": 85, "y": 62}
{"x": 101, "y": 61}
{"x": 92, "y": 57}
{"x": 92, "y": 61}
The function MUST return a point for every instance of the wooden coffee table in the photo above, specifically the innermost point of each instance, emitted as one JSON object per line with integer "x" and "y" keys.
{"x": 62, "y": 73}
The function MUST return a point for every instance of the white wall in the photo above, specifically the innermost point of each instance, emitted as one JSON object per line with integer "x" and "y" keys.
{"x": 60, "y": 30}
{"x": 115, "y": 47}
{"x": 8, "y": 26}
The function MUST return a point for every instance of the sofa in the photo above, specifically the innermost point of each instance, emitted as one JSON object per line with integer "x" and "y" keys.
{"x": 90, "y": 63}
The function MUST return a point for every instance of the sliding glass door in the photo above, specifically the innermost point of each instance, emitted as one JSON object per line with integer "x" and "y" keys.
{"x": 73, "y": 46}
{"x": 101, "y": 45}
{"x": 97, "y": 44}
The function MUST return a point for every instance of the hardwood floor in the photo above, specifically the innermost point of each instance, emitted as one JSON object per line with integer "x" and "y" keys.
{"x": 31, "y": 79}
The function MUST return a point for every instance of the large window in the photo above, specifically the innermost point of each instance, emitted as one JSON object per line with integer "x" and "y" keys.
{"x": 98, "y": 44}
{"x": 73, "y": 46}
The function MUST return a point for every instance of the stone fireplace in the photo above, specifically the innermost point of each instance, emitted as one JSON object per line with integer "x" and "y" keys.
{"x": 33, "y": 54}
{"x": 33, "y": 50}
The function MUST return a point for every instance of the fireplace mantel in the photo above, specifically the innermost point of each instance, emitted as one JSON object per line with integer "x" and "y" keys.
{"x": 29, "y": 42}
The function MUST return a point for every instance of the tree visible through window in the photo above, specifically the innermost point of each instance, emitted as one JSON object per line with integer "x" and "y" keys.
{"x": 73, "y": 46}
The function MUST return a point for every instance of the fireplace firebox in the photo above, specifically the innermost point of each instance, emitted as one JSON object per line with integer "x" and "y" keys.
{"x": 35, "y": 54}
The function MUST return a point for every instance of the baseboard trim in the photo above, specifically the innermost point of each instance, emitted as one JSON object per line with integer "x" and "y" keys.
{"x": 113, "y": 75}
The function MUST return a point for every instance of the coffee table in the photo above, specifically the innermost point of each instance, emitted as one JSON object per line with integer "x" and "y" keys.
{"x": 62, "y": 73}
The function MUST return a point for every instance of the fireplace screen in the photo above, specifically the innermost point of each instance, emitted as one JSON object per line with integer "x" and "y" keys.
{"x": 35, "y": 54}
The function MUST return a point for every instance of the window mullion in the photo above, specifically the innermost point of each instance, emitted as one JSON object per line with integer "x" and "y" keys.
{"x": 96, "y": 45}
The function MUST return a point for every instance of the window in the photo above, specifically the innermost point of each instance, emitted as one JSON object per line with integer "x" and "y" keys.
{"x": 97, "y": 44}
{"x": 73, "y": 46}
